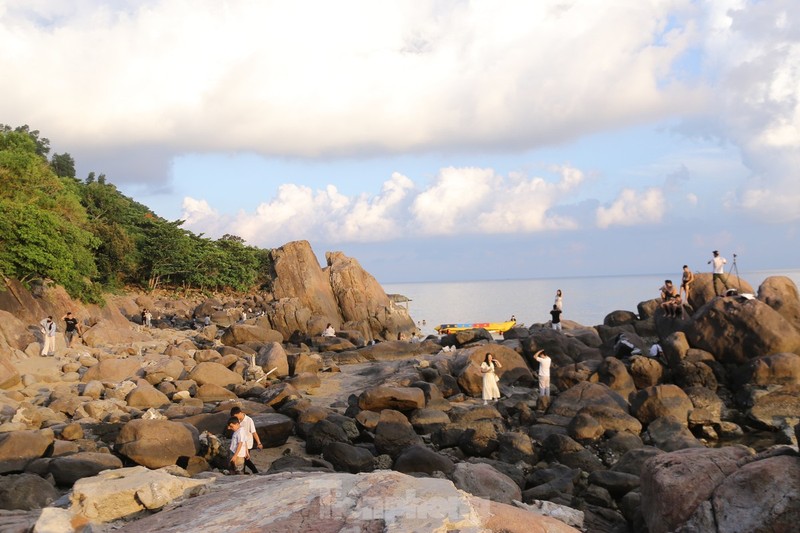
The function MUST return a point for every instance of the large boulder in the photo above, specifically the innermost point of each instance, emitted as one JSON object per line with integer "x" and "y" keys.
{"x": 703, "y": 288}
{"x": 466, "y": 367}
{"x": 674, "y": 484}
{"x": 394, "y": 433}
{"x": 18, "y": 448}
{"x": 776, "y": 408}
{"x": 215, "y": 373}
{"x": 157, "y": 443}
{"x": 776, "y": 369}
{"x": 272, "y": 357}
{"x": 273, "y": 429}
{"x": 780, "y": 293}
{"x": 25, "y": 491}
{"x": 108, "y": 333}
{"x": 661, "y": 400}
{"x": 484, "y": 481}
{"x": 584, "y": 394}
{"x": 244, "y": 333}
{"x": 362, "y": 302}
{"x": 68, "y": 469}
{"x": 348, "y": 458}
{"x": 760, "y": 497}
{"x": 399, "y": 398}
{"x": 125, "y": 492}
{"x": 145, "y": 396}
{"x": 736, "y": 330}
{"x": 310, "y": 501}
{"x": 422, "y": 459}
{"x": 114, "y": 370}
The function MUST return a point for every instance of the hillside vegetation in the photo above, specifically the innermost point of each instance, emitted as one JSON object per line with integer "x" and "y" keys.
{"x": 90, "y": 238}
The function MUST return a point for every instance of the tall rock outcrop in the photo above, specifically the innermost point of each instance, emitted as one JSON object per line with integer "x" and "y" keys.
{"x": 307, "y": 296}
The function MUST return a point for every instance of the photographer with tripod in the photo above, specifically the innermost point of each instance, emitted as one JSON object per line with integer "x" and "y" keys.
{"x": 719, "y": 271}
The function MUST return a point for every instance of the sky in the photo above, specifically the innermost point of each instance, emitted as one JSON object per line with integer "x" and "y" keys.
{"x": 434, "y": 140}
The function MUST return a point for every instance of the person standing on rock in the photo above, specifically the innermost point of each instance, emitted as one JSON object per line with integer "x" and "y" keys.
{"x": 490, "y": 390}
{"x": 72, "y": 328}
{"x": 239, "y": 453}
{"x": 148, "y": 318}
{"x": 559, "y": 300}
{"x": 49, "y": 333}
{"x": 556, "y": 318}
{"x": 544, "y": 373}
{"x": 686, "y": 281}
{"x": 718, "y": 269}
{"x": 252, "y": 435}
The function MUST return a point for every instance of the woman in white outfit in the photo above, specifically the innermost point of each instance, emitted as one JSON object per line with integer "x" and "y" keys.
{"x": 558, "y": 301}
{"x": 490, "y": 379}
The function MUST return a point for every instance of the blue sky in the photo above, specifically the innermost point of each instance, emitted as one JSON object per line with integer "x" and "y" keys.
{"x": 437, "y": 140}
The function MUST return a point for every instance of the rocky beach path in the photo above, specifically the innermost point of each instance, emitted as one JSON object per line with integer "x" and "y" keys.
{"x": 127, "y": 431}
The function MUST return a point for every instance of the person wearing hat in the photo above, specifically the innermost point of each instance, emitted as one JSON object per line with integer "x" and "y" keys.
{"x": 718, "y": 269}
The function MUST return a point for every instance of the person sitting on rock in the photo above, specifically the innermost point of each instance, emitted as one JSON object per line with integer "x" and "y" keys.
{"x": 329, "y": 331}
{"x": 671, "y": 300}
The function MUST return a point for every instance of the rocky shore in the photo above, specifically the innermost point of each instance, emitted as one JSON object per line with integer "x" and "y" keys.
{"x": 125, "y": 431}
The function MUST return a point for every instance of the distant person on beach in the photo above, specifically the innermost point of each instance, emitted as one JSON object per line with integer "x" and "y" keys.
{"x": 148, "y": 318}
{"x": 544, "y": 373}
{"x": 718, "y": 268}
{"x": 686, "y": 281}
{"x": 656, "y": 350}
{"x": 559, "y": 301}
{"x": 329, "y": 331}
{"x": 556, "y": 318}
{"x": 72, "y": 328}
{"x": 49, "y": 334}
{"x": 490, "y": 379}
{"x": 513, "y": 318}
{"x": 670, "y": 299}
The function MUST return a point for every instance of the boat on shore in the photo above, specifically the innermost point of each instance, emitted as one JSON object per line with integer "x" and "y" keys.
{"x": 492, "y": 327}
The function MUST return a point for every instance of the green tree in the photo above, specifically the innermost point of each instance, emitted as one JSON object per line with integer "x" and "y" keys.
{"x": 63, "y": 165}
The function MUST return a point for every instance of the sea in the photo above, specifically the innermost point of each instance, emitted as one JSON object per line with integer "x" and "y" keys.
{"x": 586, "y": 300}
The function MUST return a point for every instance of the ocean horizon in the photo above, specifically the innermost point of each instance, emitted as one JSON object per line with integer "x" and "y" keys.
{"x": 586, "y": 300}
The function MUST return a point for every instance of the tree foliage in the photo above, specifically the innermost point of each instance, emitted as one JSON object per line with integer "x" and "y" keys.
{"x": 88, "y": 237}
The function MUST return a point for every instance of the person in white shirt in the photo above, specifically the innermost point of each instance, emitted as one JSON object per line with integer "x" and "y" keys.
{"x": 718, "y": 267}
{"x": 49, "y": 333}
{"x": 251, "y": 435}
{"x": 239, "y": 453}
{"x": 544, "y": 373}
{"x": 329, "y": 331}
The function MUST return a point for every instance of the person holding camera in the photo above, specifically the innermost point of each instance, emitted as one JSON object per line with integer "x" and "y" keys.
{"x": 718, "y": 270}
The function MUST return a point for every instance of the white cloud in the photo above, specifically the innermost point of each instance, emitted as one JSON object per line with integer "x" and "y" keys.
{"x": 459, "y": 201}
{"x": 315, "y": 78}
{"x": 632, "y": 208}
{"x": 755, "y": 46}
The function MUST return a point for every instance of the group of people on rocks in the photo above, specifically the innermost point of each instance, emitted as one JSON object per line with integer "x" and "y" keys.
{"x": 672, "y": 299}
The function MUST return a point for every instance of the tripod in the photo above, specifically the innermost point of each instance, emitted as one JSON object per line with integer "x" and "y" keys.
{"x": 735, "y": 268}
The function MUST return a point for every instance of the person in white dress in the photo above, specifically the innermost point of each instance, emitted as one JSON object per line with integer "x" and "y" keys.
{"x": 329, "y": 331}
{"x": 490, "y": 379}
{"x": 558, "y": 300}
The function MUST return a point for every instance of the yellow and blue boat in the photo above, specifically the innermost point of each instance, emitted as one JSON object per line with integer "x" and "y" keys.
{"x": 492, "y": 327}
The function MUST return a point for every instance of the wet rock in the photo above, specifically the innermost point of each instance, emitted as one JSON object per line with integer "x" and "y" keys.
{"x": 25, "y": 491}
{"x": 421, "y": 459}
{"x": 348, "y": 458}
{"x": 322, "y": 434}
{"x": 484, "y": 481}
{"x": 394, "y": 433}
